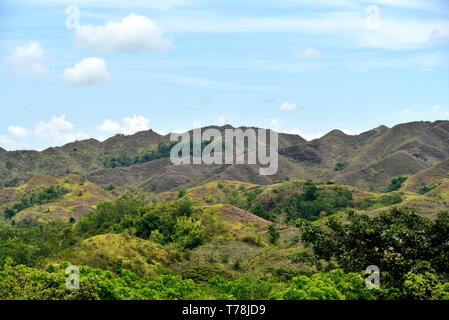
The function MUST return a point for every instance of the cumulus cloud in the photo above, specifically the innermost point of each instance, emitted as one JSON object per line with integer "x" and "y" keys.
{"x": 132, "y": 34}
{"x": 308, "y": 53}
{"x": 109, "y": 126}
{"x": 19, "y": 131}
{"x": 28, "y": 60}
{"x": 129, "y": 125}
{"x": 56, "y": 124}
{"x": 56, "y": 131}
{"x": 88, "y": 71}
{"x": 135, "y": 124}
{"x": 288, "y": 106}
{"x": 307, "y": 136}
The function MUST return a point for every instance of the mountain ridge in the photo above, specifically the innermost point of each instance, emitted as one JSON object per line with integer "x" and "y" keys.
{"x": 367, "y": 160}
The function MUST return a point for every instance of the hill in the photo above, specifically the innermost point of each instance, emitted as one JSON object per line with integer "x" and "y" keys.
{"x": 78, "y": 197}
{"x": 368, "y": 160}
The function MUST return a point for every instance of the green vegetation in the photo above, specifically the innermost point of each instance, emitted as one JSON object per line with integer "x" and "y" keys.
{"x": 396, "y": 184}
{"x": 162, "y": 150}
{"x": 402, "y": 244}
{"x": 178, "y": 223}
{"x": 382, "y": 201}
{"x": 427, "y": 189}
{"x": 181, "y": 193}
{"x": 314, "y": 203}
{"x": 34, "y": 198}
{"x": 21, "y": 282}
{"x": 273, "y": 234}
{"x": 340, "y": 166}
{"x": 194, "y": 246}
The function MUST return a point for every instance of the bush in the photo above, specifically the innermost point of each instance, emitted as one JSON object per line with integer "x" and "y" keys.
{"x": 273, "y": 234}
{"x": 427, "y": 189}
{"x": 395, "y": 184}
{"x": 340, "y": 166}
{"x": 181, "y": 193}
{"x": 189, "y": 233}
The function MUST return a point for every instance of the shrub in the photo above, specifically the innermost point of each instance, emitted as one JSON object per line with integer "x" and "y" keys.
{"x": 340, "y": 166}
{"x": 396, "y": 183}
{"x": 273, "y": 234}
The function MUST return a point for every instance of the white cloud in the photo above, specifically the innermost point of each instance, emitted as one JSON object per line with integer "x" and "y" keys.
{"x": 56, "y": 124}
{"x": 307, "y": 136}
{"x": 308, "y": 53}
{"x": 287, "y": 106}
{"x": 56, "y": 131}
{"x": 109, "y": 126}
{"x": 86, "y": 72}
{"x": 130, "y": 125}
{"x": 18, "y": 131}
{"x": 135, "y": 124}
{"x": 28, "y": 60}
{"x": 132, "y": 34}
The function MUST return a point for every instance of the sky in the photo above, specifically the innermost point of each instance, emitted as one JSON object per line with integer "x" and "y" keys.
{"x": 72, "y": 70}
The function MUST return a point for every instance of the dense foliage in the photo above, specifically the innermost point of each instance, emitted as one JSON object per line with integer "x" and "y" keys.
{"x": 162, "y": 150}
{"x": 174, "y": 249}
{"x": 164, "y": 223}
{"x": 313, "y": 204}
{"x": 401, "y": 243}
{"x": 21, "y": 282}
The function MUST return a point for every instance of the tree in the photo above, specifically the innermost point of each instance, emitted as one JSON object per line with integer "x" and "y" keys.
{"x": 310, "y": 191}
{"x": 189, "y": 233}
{"x": 395, "y": 184}
{"x": 273, "y": 234}
{"x": 181, "y": 193}
{"x": 398, "y": 242}
{"x": 260, "y": 211}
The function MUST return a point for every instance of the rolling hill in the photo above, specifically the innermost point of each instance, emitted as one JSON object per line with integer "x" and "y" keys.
{"x": 368, "y": 160}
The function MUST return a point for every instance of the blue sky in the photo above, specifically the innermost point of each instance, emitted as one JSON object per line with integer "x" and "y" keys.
{"x": 298, "y": 66}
